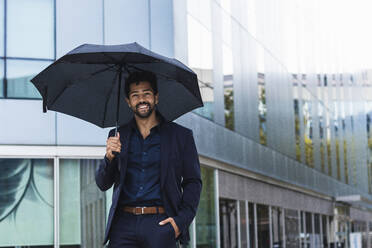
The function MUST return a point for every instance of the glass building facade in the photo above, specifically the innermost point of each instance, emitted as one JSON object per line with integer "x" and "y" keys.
{"x": 285, "y": 149}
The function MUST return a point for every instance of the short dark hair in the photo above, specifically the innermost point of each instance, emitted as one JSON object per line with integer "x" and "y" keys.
{"x": 140, "y": 76}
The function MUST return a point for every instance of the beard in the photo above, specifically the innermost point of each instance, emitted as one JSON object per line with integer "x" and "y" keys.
{"x": 143, "y": 114}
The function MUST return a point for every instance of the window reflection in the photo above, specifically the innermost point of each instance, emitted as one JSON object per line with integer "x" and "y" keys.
{"x": 252, "y": 226}
{"x": 325, "y": 229}
{"x": 200, "y": 54}
{"x": 227, "y": 64}
{"x": 82, "y": 204}
{"x": 1, "y": 29}
{"x": 228, "y": 88}
{"x": 337, "y": 140}
{"x": 19, "y": 74}
{"x": 316, "y": 239}
{"x": 262, "y": 108}
{"x": 263, "y": 227}
{"x": 291, "y": 229}
{"x": 206, "y": 216}
{"x": 296, "y": 106}
{"x": 26, "y": 202}
{"x": 243, "y": 224}
{"x": 277, "y": 227}
{"x": 37, "y": 29}
{"x": 308, "y": 123}
{"x": 321, "y": 137}
{"x": 1, "y": 78}
{"x": 228, "y": 223}
{"x": 369, "y": 137}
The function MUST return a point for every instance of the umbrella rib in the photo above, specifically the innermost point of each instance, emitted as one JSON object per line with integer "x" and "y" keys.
{"x": 72, "y": 82}
{"x": 107, "y": 98}
{"x": 92, "y": 74}
{"x": 164, "y": 76}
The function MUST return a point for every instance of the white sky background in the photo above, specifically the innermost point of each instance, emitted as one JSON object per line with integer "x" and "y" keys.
{"x": 308, "y": 36}
{"x": 327, "y": 35}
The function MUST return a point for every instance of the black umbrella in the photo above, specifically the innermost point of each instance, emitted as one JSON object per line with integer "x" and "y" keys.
{"x": 87, "y": 83}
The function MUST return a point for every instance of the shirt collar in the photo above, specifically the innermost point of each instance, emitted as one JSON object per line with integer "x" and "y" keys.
{"x": 133, "y": 123}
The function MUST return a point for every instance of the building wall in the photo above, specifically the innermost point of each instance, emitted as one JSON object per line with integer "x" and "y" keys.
{"x": 248, "y": 124}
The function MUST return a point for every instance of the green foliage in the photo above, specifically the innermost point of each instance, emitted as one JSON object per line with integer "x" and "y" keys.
{"x": 229, "y": 109}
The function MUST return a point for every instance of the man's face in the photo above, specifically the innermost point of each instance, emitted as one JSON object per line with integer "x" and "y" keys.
{"x": 142, "y": 99}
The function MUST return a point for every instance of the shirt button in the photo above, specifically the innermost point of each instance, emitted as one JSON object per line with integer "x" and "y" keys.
{"x": 144, "y": 153}
{"x": 143, "y": 170}
{"x": 141, "y": 188}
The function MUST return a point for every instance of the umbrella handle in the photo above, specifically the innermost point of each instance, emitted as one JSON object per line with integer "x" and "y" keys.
{"x": 116, "y": 154}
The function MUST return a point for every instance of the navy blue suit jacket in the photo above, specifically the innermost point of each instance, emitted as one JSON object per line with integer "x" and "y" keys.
{"x": 180, "y": 180}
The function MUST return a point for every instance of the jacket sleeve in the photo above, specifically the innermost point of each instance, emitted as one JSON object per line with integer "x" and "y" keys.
{"x": 105, "y": 174}
{"x": 191, "y": 184}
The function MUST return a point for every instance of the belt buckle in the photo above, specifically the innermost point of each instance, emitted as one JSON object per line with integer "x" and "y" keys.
{"x": 142, "y": 210}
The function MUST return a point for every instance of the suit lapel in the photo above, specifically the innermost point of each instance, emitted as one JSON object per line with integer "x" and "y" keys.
{"x": 124, "y": 139}
{"x": 165, "y": 141}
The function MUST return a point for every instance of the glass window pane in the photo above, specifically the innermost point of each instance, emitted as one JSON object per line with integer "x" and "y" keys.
{"x": 263, "y": 228}
{"x": 243, "y": 224}
{"x": 325, "y": 231}
{"x": 206, "y": 216}
{"x": 26, "y": 202}
{"x": 292, "y": 229}
{"x": 1, "y": 27}
{"x": 228, "y": 224}
{"x": 201, "y": 61}
{"x": 277, "y": 227}
{"x": 19, "y": 74}
{"x": 317, "y": 224}
{"x": 31, "y": 21}
{"x": 309, "y": 229}
{"x": 1, "y": 78}
{"x": 252, "y": 227}
{"x": 82, "y": 204}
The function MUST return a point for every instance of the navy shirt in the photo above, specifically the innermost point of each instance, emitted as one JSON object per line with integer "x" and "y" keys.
{"x": 142, "y": 179}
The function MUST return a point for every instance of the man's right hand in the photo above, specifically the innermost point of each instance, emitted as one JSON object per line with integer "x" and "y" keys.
{"x": 113, "y": 145}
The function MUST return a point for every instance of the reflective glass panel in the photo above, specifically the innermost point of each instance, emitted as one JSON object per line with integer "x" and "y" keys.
{"x": 206, "y": 215}
{"x": 31, "y": 21}
{"x": 82, "y": 204}
{"x": 1, "y": 78}
{"x": 262, "y": 107}
{"x": 263, "y": 227}
{"x": 252, "y": 226}
{"x": 26, "y": 203}
{"x": 227, "y": 64}
{"x": 292, "y": 228}
{"x": 316, "y": 236}
{"x": 243, "y": 224}
{"x": 19, "y": 74}
{"x": 228, "y": 223}
{"x": 277, "y": 227}
{"x": 1, "y": 27}
{"x": 325, "y": 229}
{"x": 201, "y": 61}
{"x": 309, "y": 230}
{"x": 296, "y": 106}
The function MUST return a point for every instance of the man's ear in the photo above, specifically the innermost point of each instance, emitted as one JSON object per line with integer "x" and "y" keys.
{"x": 127, "y": 100}
{"x": 157, "y": 98}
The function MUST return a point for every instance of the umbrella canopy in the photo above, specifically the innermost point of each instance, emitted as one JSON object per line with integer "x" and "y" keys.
{"x": 88, "y": 83}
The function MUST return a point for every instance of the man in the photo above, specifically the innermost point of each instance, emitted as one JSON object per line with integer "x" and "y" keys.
{"x": 156, "y": 174}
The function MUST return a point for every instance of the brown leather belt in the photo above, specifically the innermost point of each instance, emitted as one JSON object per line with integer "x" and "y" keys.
{"x": 144, "y": 210}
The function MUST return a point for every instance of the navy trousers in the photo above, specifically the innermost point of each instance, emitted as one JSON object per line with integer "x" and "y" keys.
{"x": 141, "y": 231}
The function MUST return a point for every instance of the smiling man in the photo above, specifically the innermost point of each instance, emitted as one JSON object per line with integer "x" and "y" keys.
{"x": 156, "y": 176}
